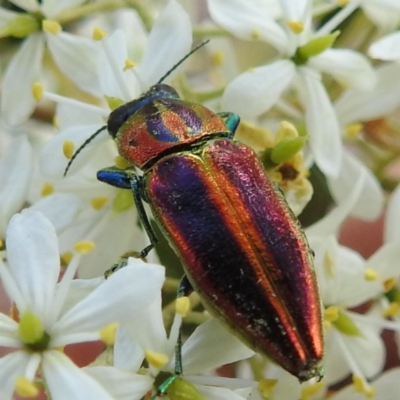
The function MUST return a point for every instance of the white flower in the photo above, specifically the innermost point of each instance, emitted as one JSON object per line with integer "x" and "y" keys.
{"x": 354, "y": 108}
{"x": 346, "y": 280}
{"x": 168, "y": 42}
{"x": 15, "y": 174}
{"x": 255, "y": 91}
{"x": 77, "y": 57}
{"x": 208, "y": 348}
{"x": 383, "y": 388}
{"x": 52, "y": 315}
{"x": 386, "y": 48}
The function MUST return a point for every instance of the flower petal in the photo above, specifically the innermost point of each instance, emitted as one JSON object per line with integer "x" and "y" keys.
{"x": 117, "y": 239}
{"x": 211, "y": 346}
{"x": 331, "y": 222}
{"x": 66, "y": 381}
{"x": 348, "y": 66}
{"x": 392, "y": 218}
{"x": 128, "y": 355}
{"x": 113, "y": 76}
{"x": 387, "y": 48}
{"x": 51, "y": 8}
{"x": 250, "y": 19}
{"x": 8, "y": 330}
{"x": 322, "y": 123}
{"x": 256, "y": 91}
{"x": 385, "y": 261}
{"x": 150, "y": 333}
{"x": 11, "y": 366}
{"x": 371, "y": 192}
{"x": 169, "y": 41}
{"x": 354, "y": 106}
{"x": 218, "y": 393}
{"x": 384, "y": 13}
{"x": 52, "y": 159}
{"x": 122, "y": 385}
{"x": 386, "y": 387}
{"x": 15, "y": 175}
{"x": 77, "y": 57}
{"x": 61, "y": 209}
{"x": 32, "y": 253}
{"x": 131, "y": 289}
{"x": 17, "y": 101}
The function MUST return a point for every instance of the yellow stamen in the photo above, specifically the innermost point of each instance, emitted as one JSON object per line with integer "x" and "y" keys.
{"x": 121, "y": 162}
{"x": 255, "y": 34}
{"x": 66, "y": 258}
{"x": 295, "y": 26}
{"x": 329, "y": 265}
{"x": 392, "y": 310}
{"x": 37, "y": 91}
{"x": 217, "y": 57}
{"x": 47, "y": 189}
{"x": 331, "y": 313}
{"x": 327, "y": 325}
{"x": 129, "y": 64}
{"x": 389, "y": 284}
{"x": 182, "y": 306}
{"x": 99, "y": 202}
{"x": 342, "y": 3}
{"x": 68, "y": 149}
{"x": 25, "y": 388}
{"x": 157, "y": 360}
{"x": 266, "y": 386}
{"x": 311, "y": 390}
{"x": 362, "y": 387}
{"x": 370, "y": 275}
{"x": 107, "y": 334}
{"x": 84, "y": 247}
{"x": 50, "y": 26}
{"x": 55, "y": 122}
{"x": 353, "y": 130}
{"x": 286, "y": 130}
{"x": 113, "y": 102}
{"x": 98, "y": 34}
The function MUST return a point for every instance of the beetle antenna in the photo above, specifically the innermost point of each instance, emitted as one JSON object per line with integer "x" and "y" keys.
{"x": 182, "y": 60}
{"x": 84, "y": 144}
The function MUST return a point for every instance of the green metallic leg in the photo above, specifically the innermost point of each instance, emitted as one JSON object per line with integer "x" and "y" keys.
{"x": 136, "y": 183}
{"x": 231, "y": 121}
{"x": 137, "y": 189}
{"x": 185, "y": 288}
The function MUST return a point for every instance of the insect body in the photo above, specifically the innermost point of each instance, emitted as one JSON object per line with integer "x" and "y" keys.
{"x": 243, "y": 250}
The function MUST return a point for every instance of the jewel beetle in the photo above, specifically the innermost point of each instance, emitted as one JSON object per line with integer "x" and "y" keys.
{"x": 243, "y": 250}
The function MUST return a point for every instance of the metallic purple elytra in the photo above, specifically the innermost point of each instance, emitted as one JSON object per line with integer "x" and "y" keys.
{"x": 243, "y": 250}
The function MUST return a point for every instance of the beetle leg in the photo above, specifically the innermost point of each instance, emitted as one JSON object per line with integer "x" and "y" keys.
{"x": 231, "y": 121}
{"x": 137, "y": 190}
{"x": 185, "y": 288}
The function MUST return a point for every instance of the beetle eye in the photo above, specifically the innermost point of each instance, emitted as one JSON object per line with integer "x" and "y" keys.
{"x": 118, "y": 117}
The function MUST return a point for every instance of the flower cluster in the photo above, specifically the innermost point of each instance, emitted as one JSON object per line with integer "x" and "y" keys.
{"x": 317, "y": 87}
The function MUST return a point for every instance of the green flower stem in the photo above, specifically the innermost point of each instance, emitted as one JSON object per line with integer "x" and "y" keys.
{"x": 196, "y": 317}
{"x": 171, "y": 285}
{"x": 82, "y": 11}
{"x": 201, "y": 32}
